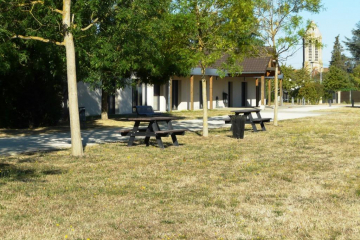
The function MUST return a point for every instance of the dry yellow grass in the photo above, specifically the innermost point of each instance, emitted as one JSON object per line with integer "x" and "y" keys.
{"x": 300, "y": 180}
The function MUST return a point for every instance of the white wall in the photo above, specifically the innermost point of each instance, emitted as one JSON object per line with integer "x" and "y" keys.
{"x": 90, "y": 99}
{"x": 124, "y": 101}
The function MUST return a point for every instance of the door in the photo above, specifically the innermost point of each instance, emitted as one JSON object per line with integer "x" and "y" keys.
{"x": 111, "y": 104}
{"x": 175, "y": 94}
{"x": 156, "y": 106}
{"x": 136, "y": 96}
{"x": 244, "y": 94}
{"x": 230, "y": 89}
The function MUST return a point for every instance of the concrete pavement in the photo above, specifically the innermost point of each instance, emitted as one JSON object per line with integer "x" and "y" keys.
{"x": 17, "y": 145}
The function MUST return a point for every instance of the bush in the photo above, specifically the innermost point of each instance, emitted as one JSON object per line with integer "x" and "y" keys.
{"x": 312, "y": 91}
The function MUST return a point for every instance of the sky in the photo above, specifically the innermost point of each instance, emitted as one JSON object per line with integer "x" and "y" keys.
{"x": 338, "y": 18}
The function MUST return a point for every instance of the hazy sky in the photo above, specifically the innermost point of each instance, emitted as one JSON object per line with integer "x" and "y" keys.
{"x": 339, "y": 18}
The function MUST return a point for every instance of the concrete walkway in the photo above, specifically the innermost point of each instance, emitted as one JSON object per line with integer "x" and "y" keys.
{"x": 16, "y": 145}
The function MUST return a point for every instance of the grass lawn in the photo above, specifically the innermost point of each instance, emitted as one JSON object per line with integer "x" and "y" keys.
{"x": 300, "y": 180}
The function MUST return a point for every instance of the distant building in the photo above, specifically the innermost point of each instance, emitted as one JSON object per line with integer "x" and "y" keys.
{"x": 312, "y": 52}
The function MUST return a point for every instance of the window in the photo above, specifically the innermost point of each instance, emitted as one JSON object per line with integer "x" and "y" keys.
{"x": 310, "y": 51}
{"x": 316, "y": 51}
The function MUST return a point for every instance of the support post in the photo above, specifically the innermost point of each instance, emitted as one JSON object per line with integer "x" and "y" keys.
{"x": 211, "y": 92}
{"x": 281, "y": 92}
{"x": 269, "y": 92}
{"x": 262, "y": 90}
{"x": 257, "y": 91}
{"x": 192, "y": 93}
{"x": 170, "y": 95}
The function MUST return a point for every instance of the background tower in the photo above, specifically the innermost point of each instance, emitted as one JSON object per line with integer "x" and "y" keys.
{"x": 312, "y": 52}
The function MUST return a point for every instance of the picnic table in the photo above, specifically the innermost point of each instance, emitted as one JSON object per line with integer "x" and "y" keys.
{"x": 152, "y": 130}
{"x": 250, "y": 119}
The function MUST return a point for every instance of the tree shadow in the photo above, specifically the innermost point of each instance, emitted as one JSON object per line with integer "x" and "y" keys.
{"x": 13, "y": 172}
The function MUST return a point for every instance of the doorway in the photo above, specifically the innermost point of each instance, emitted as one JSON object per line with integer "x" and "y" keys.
{"x": 244, "y": 94}
{"x": 137, "y": 96}
{"x": 175, "y": 94}
{"x": 156, "y": 105}
{"x": 230, "y": 90}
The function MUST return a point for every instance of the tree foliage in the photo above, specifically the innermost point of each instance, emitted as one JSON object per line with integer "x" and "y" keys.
{"x": 281, "y": 24}
{"x": 31, "y": 96}
{"x": 210, "y": 30}
{"x": 336, "y": 80}
{"x": 353, "y": 43}
{"x": 338, "y": 59}
{"x": 281, "y": 29}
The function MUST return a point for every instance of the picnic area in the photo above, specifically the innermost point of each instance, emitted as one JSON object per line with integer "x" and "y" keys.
{"x": 299, "y": 180}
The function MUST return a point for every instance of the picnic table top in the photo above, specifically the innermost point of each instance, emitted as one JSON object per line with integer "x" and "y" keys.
{"x": 149, "y": 119}
{"x": 248, "y": 110}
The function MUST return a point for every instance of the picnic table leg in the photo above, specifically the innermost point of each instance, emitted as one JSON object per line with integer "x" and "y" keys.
{"x": 174, "y": 140}
{"x": 159, "y": 141}
{"x": 132, "y": 133}
{"x": 261, "y": 123}
{"x": 249, "y": 116}
{"x": 262, "y": 126}
{"x": 147, "y": 138}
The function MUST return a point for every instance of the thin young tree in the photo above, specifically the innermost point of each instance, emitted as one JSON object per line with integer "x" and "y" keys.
{"x": 282, "y": 29}
{"x": 212, "y": 29}
{"x": 52, "y": 22}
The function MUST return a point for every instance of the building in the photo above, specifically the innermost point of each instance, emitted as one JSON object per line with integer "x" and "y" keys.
{"x": 312, "y": 50}
{"x": 185, "y": 93}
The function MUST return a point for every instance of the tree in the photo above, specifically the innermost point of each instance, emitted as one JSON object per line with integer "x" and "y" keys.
{"x": 134, "y": 39}
{"x": 312, "y": 91}
{"x": 211, "y": 29}
{"x": 281, "y": 29}
{"x": 53, "y": 22}
{"x": 353, "y": 43}
{"x": 336, "y": 80}
{"x": 338, "y": 59}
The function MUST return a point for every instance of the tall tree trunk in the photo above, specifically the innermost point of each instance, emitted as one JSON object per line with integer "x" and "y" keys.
{"x": 205, "y": 105}
{"x": 276, "y": 95}
{"x": 104, "y": 105}
{"x": 76, "y": 143}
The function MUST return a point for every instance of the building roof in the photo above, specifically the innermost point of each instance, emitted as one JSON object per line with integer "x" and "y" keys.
{"x": 255, "y": 65}
{"x": 250, "y": 65}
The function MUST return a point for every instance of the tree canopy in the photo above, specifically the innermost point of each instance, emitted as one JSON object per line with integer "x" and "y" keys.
{"x": 281, "y": 29}
{"x": 353, "y": 43}
{"x": 210, "y": 30}
{"x": 338, "y": 59}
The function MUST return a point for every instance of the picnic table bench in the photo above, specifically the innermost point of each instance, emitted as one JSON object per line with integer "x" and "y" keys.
{"x": 152, "y": 130}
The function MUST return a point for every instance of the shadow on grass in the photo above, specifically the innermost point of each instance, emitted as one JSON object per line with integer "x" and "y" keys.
{"x": 12, "y": 172}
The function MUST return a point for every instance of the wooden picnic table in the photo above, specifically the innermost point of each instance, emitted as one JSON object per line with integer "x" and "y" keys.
{"x": 152, "y": 130}
{"x": 250, "y": 119}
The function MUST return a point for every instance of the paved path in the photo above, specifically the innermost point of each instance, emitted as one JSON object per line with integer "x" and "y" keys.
{"x": 16, "y": 145}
